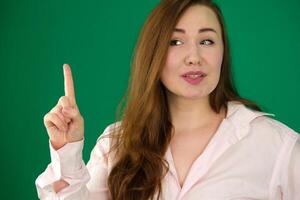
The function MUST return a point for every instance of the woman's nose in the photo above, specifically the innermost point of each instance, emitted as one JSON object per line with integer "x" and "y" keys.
{"x": 193, "y": 57}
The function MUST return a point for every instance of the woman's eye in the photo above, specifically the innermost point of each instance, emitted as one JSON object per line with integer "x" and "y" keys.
{"x": 207, "y": 42}
{"x": 174, "y": 42}
{"x": 178, "y": 42}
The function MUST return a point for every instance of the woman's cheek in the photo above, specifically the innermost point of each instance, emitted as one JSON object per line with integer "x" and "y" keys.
{"x": 173, "y": 56}
{"x": 215, "y": 59}
{"x": 219, "y": 57}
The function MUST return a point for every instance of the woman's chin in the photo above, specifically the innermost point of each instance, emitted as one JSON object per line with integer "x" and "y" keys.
{"x": 188, "y": 95}
{"x": 194, "y": 96}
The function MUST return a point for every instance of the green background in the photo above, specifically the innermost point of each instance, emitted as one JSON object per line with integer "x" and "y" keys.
{"x": 97, "y": 38}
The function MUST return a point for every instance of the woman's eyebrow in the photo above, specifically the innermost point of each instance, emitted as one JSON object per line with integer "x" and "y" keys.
{"x": 179, "y": 30}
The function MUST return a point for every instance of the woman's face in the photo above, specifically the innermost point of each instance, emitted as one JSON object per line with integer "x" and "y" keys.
{"x": 196, "y": 46}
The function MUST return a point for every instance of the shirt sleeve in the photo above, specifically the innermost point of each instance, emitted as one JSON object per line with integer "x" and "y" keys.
{"x": 294, "y": 173}
{"x": 86, "y": 182}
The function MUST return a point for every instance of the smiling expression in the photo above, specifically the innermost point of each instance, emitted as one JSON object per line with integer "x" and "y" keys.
{"x": 196, "y": 45}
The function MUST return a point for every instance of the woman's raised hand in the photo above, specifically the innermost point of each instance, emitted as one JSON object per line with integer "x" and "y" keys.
{"x": 64, "y": 122}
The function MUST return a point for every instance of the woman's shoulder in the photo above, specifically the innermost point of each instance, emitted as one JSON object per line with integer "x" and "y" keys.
{"x": 267, "y": 124}
{"x": 273, "y": 134}
{"x": 262, "y": 125}
{"x": 104, "y": 141}
{"x": 267, "y": 132}
{"x": 259, "y": 121}
{"x": 111, "y": 128}
{"x": 106, "y": 135}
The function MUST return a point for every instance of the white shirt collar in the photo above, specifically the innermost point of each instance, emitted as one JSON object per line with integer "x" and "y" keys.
{"x": 240, "y": 117}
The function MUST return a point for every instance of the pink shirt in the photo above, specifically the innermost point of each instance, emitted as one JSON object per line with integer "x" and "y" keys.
{"x": 250, "y": 157}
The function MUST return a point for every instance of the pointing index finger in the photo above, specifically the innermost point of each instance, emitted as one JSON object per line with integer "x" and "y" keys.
{"x": 69, "y": 85}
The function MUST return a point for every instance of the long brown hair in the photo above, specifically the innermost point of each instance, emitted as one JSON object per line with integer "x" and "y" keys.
{"x": 145, "y": 131}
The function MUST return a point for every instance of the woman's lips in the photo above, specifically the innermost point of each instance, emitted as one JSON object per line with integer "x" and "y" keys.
{"x": 194, "y": 77}
{"x": 192, "y": 80}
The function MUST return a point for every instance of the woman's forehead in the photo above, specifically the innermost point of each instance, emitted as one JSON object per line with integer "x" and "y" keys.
{"x": 198, "y": 17}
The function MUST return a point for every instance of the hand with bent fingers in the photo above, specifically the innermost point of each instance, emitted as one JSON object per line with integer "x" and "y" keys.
{"x": 64, "y": 122}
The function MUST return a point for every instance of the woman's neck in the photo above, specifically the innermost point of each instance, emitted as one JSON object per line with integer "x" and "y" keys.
{"x": 189, "y": 114}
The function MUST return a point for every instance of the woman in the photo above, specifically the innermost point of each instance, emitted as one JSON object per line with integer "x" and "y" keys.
{"x": 185, "y": 132}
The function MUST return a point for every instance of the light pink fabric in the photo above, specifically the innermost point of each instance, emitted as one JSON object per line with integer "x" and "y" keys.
{"x": 250, "y": 157}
